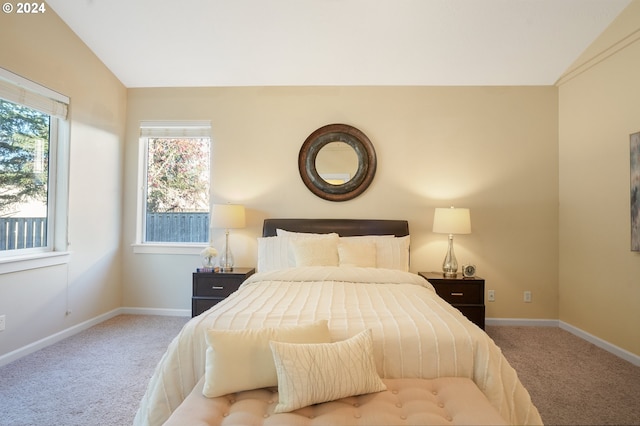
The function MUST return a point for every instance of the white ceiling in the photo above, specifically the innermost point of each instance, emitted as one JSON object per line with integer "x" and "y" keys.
{"x": 167, "y": 43}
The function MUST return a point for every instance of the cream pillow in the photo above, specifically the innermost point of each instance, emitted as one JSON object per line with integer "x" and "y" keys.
{"x": 391, "y": 252}
{"x": 353, "y": 252}
{"x": 314, "y": 373}
{"x": 238, "y": 360}
{"x": 315, "y": 251}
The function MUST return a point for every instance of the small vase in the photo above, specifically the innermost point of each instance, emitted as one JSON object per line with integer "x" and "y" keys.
{"x": 208, "y": 261}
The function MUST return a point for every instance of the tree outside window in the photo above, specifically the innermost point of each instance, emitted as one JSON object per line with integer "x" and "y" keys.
{"x": 177, "y": 190}
{"x": 24, "y": 176}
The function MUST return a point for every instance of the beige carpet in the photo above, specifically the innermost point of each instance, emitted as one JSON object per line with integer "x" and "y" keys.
{"x": 96, "y": 377}
{"x": 99, "y": 376}
{"x": 571, "y": 381}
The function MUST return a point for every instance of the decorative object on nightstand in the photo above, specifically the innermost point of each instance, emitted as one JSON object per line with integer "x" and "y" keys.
{"x": 210, "y": 288}
{"x": 227, "y": 216}
{"x": 451, "y": 221}
{"x": 464, "y": 294}
{"x": 208, "y": 256}
{"x": 468, "y": 271}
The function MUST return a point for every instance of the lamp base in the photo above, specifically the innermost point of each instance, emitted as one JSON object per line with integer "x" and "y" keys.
{"x": 450, "y": 264}
{"x": 226, "y": 260}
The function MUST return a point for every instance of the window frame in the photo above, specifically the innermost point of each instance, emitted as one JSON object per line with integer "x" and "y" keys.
{"x": 21, "y": 91}
{"x": 165, "y": 129}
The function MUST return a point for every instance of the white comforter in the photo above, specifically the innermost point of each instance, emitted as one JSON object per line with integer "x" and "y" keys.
{"x": 416, "y": 334}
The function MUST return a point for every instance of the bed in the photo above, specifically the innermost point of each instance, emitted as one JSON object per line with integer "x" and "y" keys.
{"x": 334, "y": 329}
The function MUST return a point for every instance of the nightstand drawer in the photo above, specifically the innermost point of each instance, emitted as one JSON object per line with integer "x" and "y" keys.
{"x": 475, "y": 313}
{"x": 198, "y": 306}
{"x": 460, "y": 293}
{"x": 215, "y": 286}
{"x": 210, "y": 288}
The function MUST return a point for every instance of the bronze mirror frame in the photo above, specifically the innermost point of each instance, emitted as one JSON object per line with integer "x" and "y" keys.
{"x": 353, "y": 137}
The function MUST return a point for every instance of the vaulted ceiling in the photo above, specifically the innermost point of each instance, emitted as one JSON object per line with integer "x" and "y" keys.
{"x": 181, "y": 43}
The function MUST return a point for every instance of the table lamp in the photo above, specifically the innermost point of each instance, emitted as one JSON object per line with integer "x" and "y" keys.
{"x": 451, "y": 221}
{"x": 227, "y": 216}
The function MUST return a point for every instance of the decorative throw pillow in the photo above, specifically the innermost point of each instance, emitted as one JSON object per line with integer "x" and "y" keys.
{"x": 353, "y": 252}
{"x": 238, "y": 360}
{"x": 315, "y": 251}
{"x": 314, "y": 373}
{"x": 391, "y": 252}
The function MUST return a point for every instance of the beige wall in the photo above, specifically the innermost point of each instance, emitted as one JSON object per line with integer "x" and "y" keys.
{"x": 43, "y": 49}
{"x": 599, "y": 109}
{"x": 492, "y": 149}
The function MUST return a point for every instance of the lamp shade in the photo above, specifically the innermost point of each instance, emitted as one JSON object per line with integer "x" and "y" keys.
{"x": 452, "y": 221}
{"x": 228, "y": 216}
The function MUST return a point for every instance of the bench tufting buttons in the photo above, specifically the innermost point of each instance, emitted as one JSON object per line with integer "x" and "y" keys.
{"x": 357, "y": 415}
{"x": 441, "y": 405}
{"x": 403, "y": 417}
{"x": 435, "y": 392}
{"x": 395, "y": 391}
{"x": 399, "y": 405}
{"x": 356, "y": 404}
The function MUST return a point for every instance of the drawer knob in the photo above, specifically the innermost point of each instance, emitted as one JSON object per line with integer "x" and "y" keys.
{"x": 217, "y": 287}
{"x": 457, "y": 294}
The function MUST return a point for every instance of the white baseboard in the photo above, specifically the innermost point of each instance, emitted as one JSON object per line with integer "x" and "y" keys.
{"x": 55, "y": 338}
{"x": 522, "y": 322}
{"x": 603, "y": 344}
{"x": 61, "y": 335}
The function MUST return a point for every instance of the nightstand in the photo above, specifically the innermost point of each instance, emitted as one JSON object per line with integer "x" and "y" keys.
{"x": 210, "y": 288}
{"x": 464, "y": 294}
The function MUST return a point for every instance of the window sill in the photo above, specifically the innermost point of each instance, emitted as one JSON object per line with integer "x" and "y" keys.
{"x": 168, "y": 248}
{"x": 34, "y": 261}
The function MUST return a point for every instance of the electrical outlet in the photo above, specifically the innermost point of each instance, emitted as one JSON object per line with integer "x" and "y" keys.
{"x": 491, "y": 295}
{"x": 2, "y": 322}
{"x": 527, "y": 297}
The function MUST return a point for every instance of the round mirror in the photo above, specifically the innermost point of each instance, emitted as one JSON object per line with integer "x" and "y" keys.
{"x": 337, "y": 162}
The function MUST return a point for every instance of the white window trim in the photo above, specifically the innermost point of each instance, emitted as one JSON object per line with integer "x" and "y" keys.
{"x": 162, "y": 129}
{"x": 54, "y": 104}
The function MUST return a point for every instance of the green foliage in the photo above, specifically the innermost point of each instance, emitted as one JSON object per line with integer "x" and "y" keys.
{"x": 24, "y": 152}
{"x": 178, "y": 175}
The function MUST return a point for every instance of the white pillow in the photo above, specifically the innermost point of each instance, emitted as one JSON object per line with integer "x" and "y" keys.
{"x": 315, "y": 251}
{"x": 391, "y": 252}
{"x": 357, "y": 252}
{"x": 274, "y": 253}
{"x": 314, "y": 373}
{"x": 238, "y": 360}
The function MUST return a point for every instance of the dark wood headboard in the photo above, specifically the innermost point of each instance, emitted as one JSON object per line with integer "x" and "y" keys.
{"x": 344, "y": 227}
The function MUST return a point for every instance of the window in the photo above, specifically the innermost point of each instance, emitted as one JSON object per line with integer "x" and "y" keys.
{"x": 33, "y": 147}
{"x": 174, "y": 198}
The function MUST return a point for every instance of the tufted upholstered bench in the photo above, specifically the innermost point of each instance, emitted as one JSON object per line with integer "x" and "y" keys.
{"x": 442, "y": 401}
